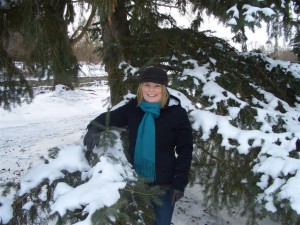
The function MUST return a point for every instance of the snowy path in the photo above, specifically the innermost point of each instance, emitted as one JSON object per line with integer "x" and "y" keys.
{"x": 20, "y": 152}
{"x": 28, "y": 132}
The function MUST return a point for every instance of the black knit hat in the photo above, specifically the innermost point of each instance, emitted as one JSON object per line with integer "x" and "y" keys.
{"x": 155, "y": 75}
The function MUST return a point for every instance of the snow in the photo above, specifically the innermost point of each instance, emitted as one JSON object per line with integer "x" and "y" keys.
{"x": 234, "y": 10}
{"x": 106, "y": 177}
{"x": 249, "y": 12}
{"x": 6, "y": 212}
{"x": 70, "y": 158}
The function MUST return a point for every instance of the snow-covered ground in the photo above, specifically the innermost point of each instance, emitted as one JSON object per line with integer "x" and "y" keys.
{"x": 54, "y": 118}
{"x": 59, "y": 118}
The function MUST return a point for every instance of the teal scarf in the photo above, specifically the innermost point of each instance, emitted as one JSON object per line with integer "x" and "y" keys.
{"x": 144, "y": 154}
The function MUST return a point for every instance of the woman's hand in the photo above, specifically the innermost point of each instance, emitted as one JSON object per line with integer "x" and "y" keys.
{"x": 91, "y": 139}
{"x": 175, "y": 196}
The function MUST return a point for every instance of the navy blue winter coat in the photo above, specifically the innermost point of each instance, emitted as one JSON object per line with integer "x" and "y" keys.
{"x": 173, "y": 135}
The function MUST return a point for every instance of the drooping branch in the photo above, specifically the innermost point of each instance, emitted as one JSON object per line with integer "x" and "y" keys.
{"x": 76, "y": 38}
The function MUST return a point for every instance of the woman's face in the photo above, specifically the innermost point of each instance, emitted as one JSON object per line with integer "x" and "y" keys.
{"x": 152, "y": 92}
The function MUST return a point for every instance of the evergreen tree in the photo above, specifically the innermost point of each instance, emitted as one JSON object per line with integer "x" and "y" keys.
{"x": 229, "y": 170}
{"x": 48, "y": 48}
{"x": 46, "y": 30}
{"x": 14, "y": 87}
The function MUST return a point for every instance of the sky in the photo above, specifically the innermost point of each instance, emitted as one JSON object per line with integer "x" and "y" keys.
{"x": 59, "y": 118}
{"x": 256, "y": 39}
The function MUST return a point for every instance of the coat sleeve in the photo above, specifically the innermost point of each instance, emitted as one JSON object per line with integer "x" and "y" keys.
{"x": 116, "y": 118}
{"x": 184, "y": 150}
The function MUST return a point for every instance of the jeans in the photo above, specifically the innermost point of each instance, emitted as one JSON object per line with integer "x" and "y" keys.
{"x": 164, "y": 212}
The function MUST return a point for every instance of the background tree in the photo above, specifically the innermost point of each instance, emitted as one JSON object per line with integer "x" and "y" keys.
{"x": 43, "y": 26}
{"x": 13, "y": 82}
{"x": 46, "y": 30}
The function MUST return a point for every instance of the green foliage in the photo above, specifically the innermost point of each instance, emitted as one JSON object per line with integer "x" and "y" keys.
{"x": 46, "y": 31}
{"x": 134, "y": 206}
{"x": 226, "y": 178}
{"x": 47, "y": 48}
{"x": 14, "y": 89}
{"x": 107, "y": 139}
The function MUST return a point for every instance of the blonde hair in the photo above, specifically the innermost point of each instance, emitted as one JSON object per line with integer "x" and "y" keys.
{"x": 164, "y": 98}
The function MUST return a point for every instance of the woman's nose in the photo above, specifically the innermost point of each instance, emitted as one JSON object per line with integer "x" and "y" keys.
{"x": 151, "y": 88}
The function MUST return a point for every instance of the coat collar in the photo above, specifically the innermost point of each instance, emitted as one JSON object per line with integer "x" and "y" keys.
{"x": 172, "y": 101}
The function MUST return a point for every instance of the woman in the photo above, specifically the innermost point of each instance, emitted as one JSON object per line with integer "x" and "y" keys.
{"x": 160, "y": 138}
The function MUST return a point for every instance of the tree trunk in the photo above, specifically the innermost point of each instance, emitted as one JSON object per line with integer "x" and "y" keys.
{"x": 115, "y": 41}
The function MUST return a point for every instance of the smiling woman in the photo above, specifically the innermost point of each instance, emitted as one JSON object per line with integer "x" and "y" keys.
{"x": 152, "y": 88}
{"x": 152, "y": 92}
{"x": 160, "y": 139}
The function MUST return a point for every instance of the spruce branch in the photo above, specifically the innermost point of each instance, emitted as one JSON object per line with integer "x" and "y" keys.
{"x": 221, "y": 161}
